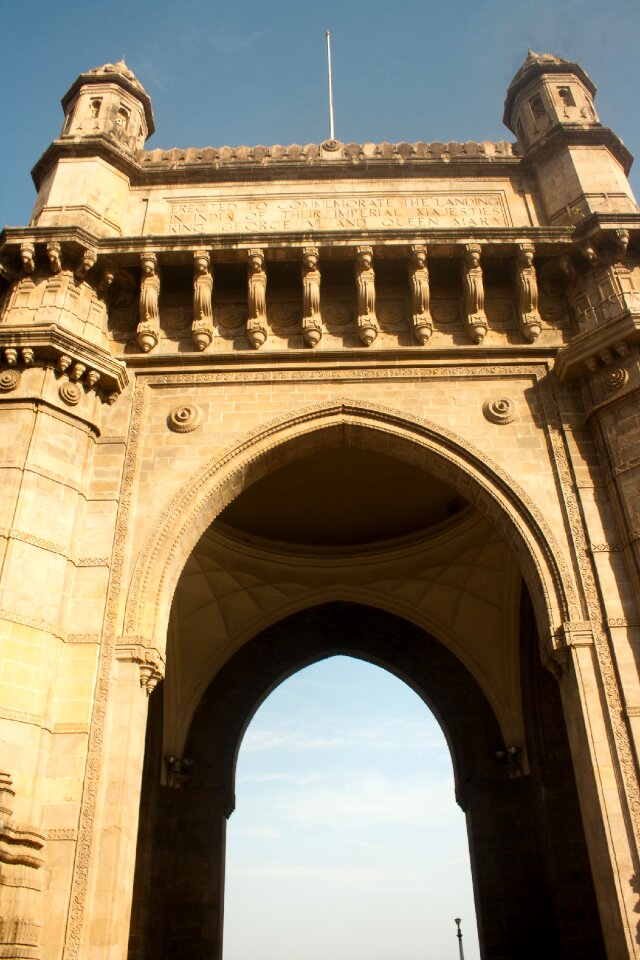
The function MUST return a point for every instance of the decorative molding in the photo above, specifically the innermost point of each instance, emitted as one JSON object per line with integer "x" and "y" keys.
{"x": 92, "y": 562}
{"x": 82, "y": 638}
{"x": 606, "y": 547}
{"x": 9, "y": 380}
{"x": 501, "y": 410}
{"x": 616, "y": 379}
{"x": 352, "y": 374}
{"x": 34, "y": 541}
{"x": 21, "y": 716}
{"x": 42, "y": 625}
{"x": 86, "y": 823}
{"x": 61, "y": 833}
{"x": 71, "y": 393}
{"x": 623, "y": 622}
{"x": 110, "y": 439}
{"x": 185, "y": 418}
{"x": 584, "y": 561}
{"x": 70, "y": 728}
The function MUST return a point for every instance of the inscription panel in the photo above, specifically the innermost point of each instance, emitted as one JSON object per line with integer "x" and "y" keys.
{"x": 424, "y": 211}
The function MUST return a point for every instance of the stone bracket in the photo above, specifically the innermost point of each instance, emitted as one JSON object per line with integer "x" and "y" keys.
{"x": 556, "y": 655}
{"x": 51, "y": 344}
{"x": 151, "y": 662}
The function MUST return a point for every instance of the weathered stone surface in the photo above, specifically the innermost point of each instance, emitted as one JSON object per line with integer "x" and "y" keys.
{"x": 381, "y": 393}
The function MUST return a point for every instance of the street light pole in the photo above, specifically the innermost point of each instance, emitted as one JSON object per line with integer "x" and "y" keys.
{"x": 457, "y": 922}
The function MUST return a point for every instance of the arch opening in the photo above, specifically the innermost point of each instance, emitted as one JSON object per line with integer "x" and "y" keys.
{"x": 346, "y": 838}
{"x": 528, "y": 854}
{"x": 295, "y": 564}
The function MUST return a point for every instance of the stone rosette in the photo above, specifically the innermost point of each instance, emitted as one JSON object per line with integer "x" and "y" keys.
{"x": 616, "y": 379}
{"x": 500, "y": 410}
{"x": 9, "y": 380}
{"x": 71, "y": 393}
{"x": 184, "y": 418}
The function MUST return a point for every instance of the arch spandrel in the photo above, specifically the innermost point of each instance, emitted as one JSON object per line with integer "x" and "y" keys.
{"x": 467, "y": 470}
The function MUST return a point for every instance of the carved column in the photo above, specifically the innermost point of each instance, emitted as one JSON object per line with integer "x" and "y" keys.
{"x": 311, "y": 323}
{"x": 421, "y": 321}
{"x": 202, "y": 326}
{"x": 476, "y": 320}
{"x": 257, "y": 299}
{"x": 366, "y": 282}
{"x": 527, "y": 292}
{"x": 149, "y": 325}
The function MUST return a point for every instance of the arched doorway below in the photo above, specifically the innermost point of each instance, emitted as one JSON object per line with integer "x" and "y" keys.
{"x": 533, "y": 887}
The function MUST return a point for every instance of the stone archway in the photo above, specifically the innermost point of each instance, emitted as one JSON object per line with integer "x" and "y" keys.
{"x": 469, "y": 471}
{"x": 532, "y": 898}
{"x": 501, "y": 807}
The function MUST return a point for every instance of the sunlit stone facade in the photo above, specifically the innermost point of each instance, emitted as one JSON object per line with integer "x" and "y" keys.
{"x": 259, "y": 405}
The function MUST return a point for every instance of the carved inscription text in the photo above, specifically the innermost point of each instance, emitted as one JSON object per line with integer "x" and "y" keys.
{"x": 415, "y": 212}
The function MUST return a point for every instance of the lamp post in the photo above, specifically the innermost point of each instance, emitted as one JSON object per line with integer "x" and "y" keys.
{"x": 457, "y": 922}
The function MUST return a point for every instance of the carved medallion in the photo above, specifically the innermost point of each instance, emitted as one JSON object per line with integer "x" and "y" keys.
{"x": 231, "y": 316}
{"x": 331, "y": 145}
{"x": 284, "y": 314}
{"x": 185, "y": 418}
{"x": 616, "y": 379}
{"x": 336, "y": 314}
{"x": 71, "y": 393}
{"x": 176, "y": 318}
{"x": 444, "y": 311}
{"x": 501, "y": 410}
{"x": 9, "y": 380}
{"x": 392, "y": 313}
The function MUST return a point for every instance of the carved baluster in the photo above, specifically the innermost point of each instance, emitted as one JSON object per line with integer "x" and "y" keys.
{"x": 148, "y": 332}
{"x": 202, "y": 326}
{"x": 257, "y": 299}
{"x": 54, "y": 253}
{"x": 474, "y": 293}
{"x": 87, "y": 261}
{"x": 311, "y": 323}
{"x": 28, "y": 256}
{"x": 527, "y": 290}
{"x": 419, "y": 279}
{"x": 366, "y": 281}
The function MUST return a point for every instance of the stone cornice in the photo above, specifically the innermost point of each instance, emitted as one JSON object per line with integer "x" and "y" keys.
{"x": 312, "y": 161}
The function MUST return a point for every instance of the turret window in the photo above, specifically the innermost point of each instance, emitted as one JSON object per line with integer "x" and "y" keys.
{"x": 122, "y": 117}
{"x": 537, "y": 108}
{"x": 94, "y": 107}
{"x": 566, "y": 96}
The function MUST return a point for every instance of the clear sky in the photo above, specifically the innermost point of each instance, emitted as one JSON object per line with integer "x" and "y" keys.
{"x": 248, "y": 72}
{"x": 346, "y": 842}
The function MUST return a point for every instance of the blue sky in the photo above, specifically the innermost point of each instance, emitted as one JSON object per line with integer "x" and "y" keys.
{"x": 248, "y": 72}
{"x": 346, "y": 841}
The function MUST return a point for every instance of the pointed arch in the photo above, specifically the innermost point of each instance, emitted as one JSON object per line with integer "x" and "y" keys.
{"x": 453, "y": 460}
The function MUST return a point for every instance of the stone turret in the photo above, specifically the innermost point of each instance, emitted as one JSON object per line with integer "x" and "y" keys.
{"x": 550, "y": 108}
{"x": 111, "y": 101}
{"x": 83, "y": 178}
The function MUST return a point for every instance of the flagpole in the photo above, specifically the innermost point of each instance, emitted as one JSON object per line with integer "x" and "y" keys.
{"x": 328, "y": 36}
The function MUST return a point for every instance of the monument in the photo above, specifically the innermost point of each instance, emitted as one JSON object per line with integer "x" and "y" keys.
{"x": 260, "y": 405}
